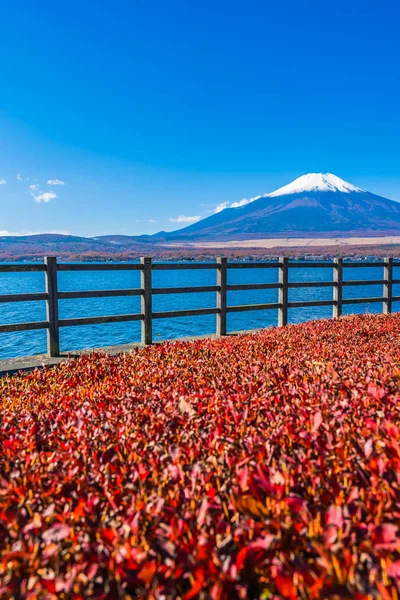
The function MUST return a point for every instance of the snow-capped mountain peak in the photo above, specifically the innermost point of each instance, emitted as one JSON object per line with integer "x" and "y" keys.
{"x": 313, "y": 204}
{"x": 316, "y": 182}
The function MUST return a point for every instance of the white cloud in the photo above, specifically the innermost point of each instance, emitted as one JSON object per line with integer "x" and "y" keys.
{"x": 184, "y": 219}
{"x": 55, "y": 182}
{"x": 19, "y": 177}
{"x": 238, "y": 204}
{"x": 152, "y": 221}
{"x": 221, "y": 206}
{"x": 241, "y": 202}
{"x": 45, "y": 197}
{"x": 3, "y": 182}
{"x": 39, "y": 195}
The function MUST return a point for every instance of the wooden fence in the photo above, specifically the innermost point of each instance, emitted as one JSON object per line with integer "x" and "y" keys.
{"x": 51, "y": 296}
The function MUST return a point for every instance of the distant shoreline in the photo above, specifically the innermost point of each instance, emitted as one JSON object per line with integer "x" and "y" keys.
{"x": 295, "y": 242}
{"x": 248, "y": 249}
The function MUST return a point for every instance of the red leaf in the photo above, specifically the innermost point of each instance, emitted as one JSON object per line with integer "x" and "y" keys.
{"x": 316, "y": 421}
{"x": 147, "y": 572}
{"x": 202, "y": 512}
{"x": 368, "y": 447}
{"x": 394, "y": 570}
{"x": 58, "y": 532}
{"x": 334, "y": 516}
{"x": 385, "y": 536}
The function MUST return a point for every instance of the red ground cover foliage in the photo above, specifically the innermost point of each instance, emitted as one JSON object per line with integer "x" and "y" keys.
{"x": 263, "y": 466}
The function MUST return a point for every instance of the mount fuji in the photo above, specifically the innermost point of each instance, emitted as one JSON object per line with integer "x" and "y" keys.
{"x": 314, "y": 204}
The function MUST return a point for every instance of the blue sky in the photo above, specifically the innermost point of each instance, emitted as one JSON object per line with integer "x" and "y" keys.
{"x": 149, "y": 110}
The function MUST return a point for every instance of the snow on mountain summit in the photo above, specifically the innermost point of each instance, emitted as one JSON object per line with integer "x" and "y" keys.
{"x": 316, "y": 182}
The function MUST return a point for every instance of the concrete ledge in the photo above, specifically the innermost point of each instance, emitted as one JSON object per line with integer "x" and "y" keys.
{"x": 10, "y": 366}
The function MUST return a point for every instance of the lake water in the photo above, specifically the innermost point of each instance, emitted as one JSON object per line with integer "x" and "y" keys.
{"x": 76, "y": 338}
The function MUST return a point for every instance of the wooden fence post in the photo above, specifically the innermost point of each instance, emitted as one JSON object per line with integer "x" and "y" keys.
{"x": 146, "y": 301}
{"x": 387, "y": 286}
{"x": 283, "y": 291}
{"x": 338, "y": 288}
{"x": 221, "y": 295}
{"x": 53, "y": 332}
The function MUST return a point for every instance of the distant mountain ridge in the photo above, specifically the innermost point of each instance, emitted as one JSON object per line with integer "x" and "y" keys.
{"x": 316, "y": 203}
{"x": 67, "y": 246}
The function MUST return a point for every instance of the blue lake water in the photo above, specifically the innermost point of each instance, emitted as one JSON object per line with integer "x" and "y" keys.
{"x": 79, "y": 337}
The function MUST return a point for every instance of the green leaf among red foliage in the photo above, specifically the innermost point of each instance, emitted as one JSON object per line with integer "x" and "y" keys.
{"x": 259, "y": 466}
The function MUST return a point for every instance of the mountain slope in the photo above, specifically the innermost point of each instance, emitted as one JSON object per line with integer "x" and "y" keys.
{"x": 316, "y": 203}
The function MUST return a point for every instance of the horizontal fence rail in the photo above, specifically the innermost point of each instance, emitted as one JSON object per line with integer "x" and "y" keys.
{"x": 52, "y": 295}
{"x": 23, "y": 297}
